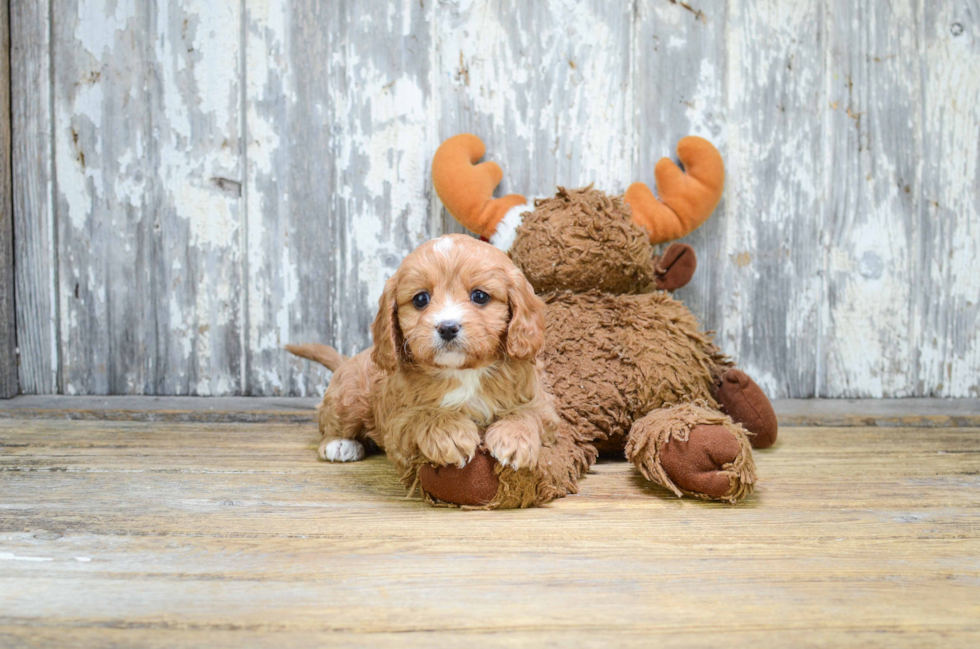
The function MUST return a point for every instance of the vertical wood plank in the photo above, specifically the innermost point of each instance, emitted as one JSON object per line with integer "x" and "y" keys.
{"x": 546, "y": 86}
{"x": 102, "y": 139}
{"x": 379, "y": 96}
{"x": 680, "y": 70}
{"x": 289, "y": 183}
{"x": 8, "y": 341}
{"x": 947, "y": 286}
{"x": 195, "y": 200}
{"x": 338, "y": 180}
{"x": 874, "y": 188}
{"x": 769, "y": 282}
{"x": 35, "y": 250}
{"x": 147, "y": 113}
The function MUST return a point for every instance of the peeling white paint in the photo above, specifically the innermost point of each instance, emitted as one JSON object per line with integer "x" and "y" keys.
{"x": 950, "y": 348}
{"x": 817, "y": 251}
{"x": 79, "y": 181}
{"x": 98, "y": 27}
{"x": 10, "y": 556}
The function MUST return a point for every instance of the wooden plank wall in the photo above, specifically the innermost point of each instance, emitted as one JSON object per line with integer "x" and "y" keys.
{"x": 8, "y": 341}
{"x": 198, "y": 183}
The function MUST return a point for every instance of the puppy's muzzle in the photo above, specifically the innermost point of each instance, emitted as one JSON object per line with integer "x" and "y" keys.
{"x": 448, "y": 330}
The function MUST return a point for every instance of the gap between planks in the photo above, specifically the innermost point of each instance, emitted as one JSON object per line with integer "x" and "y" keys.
{"x": 915, "y": 413}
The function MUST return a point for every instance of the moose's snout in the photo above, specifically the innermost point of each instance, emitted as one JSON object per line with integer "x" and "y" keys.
{"x": 448, "y": 330}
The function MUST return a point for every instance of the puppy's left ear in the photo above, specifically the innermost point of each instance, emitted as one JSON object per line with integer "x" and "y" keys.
{"x": 525, "y": 333}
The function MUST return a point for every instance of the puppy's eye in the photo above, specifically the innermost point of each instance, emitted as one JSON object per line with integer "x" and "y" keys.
{"x": 479, "y": 297}
{"x": 421, "y": 300}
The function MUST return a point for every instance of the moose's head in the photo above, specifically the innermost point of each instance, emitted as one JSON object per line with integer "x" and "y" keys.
{"x": 583, "y": 239}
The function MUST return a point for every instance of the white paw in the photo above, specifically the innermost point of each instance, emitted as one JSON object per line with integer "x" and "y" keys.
{"x": 342, "y": 450}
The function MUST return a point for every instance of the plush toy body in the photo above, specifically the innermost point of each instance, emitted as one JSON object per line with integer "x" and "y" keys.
{"x": 627, "y": 364}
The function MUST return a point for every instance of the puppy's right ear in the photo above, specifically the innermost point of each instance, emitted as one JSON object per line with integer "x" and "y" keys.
{"x": 386, "y": 332}
{"x": 525, "y": 333}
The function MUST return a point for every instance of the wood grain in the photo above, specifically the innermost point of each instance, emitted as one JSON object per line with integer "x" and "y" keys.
{"x": 831, "y": 413}
{"x": 871, "y": 220}
{"x": 338, "y": 188}
{"x": 547, "y": 86}
{"x": 292, "y": 254}
{"x": 151, "y": 534}
{"x": 947, "y": 291}
{"x": 680, "y": 67}
{"x": 771, "y": 263}
{"x": 35, "y": 234}
{"x": 253, "y": 172}
{"x": 8, "y": 336}
{"x": 148, "y": 166}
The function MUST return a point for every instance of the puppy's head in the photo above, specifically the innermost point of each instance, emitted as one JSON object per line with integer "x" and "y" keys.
{"x": 456, "y": 303}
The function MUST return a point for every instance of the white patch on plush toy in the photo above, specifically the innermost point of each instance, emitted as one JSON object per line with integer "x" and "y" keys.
{"x": 344, "y": 450}
{"x": 506, "y": 232}
{"x": 443, "y": 245}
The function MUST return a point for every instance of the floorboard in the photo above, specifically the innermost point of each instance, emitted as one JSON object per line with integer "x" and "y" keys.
{"x": 140, "y": 533}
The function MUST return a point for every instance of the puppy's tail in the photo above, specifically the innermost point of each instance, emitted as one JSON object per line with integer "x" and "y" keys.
{"x": 323, "y": 354}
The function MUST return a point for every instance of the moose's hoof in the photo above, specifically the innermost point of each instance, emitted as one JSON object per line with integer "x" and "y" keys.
{"x": 474, "y": 485}
{"x": 745, "y": 402}
{"x": 696, "y": 465}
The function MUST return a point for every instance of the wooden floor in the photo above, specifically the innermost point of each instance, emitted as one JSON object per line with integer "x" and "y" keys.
{"x": 126, "y": 533}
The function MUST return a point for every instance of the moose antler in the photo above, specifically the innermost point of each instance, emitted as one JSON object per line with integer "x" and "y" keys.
{"x": 686, "y": 199}
{"x": 466, "y": 188}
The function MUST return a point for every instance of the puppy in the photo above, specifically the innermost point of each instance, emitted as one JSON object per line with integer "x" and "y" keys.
{"x": 452, "y": 366}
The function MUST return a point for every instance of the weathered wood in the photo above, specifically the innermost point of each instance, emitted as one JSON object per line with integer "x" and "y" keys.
{"x": 771, "y": 263}
{"x": 145, "y": 408}
{"x": 8, "y": 336}
{"x": 946, "y": 294}
{"x": 680, "y": 67}
{"x": 911, "y": 413}
{"x": 36, "y": 255}
{"x": 338, "y": 184}
{"x": 291, "y": 252}
{"x": 874, "y": 189}
{"x": 547, "y": 86}
{"x": 253, "y": 171}
{"x": 149, "y": 534}
{"x": 148, "y": 166}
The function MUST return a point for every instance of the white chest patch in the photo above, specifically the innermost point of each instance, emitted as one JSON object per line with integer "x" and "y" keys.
{"x": 467, "y": 394}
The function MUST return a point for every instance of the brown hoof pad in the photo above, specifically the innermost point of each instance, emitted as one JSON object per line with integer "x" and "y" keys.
{"x": 676, "y": 267}
{"x": 695, "y": 465}
{"x": 474, "y": 485}
{"x": 745, "y": 402}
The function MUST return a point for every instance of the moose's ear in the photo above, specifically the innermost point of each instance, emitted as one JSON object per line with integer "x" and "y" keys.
{"x": 686, "y": 199}
{"x": 387, "y": 353}
{"x": 675, "y": 268}
{"x": 466, "y": 188}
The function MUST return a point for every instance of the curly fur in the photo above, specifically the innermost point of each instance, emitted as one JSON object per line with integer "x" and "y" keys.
{"x": 616, "y": 350}
{"x": 421, "y": 398}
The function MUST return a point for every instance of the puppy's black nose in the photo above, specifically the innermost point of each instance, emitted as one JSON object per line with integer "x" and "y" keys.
{"x": 448, "y": 330}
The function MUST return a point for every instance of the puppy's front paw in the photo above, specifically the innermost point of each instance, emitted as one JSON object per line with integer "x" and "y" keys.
{"x": 514, "y": 443}
{"x": 341, "y": 450}
{"x": 454, "y": 445}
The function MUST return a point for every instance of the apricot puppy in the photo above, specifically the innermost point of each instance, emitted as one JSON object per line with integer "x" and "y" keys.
{"x": 452, "y": 367}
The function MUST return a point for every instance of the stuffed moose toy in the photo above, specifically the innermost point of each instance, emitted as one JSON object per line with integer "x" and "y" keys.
{"x": 618, "y": 365}
{"x": 626, "y": 363}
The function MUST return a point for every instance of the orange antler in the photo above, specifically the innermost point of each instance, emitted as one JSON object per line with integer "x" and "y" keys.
{"x": 686, "y": 199}
{"x": 466, "y": 188}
